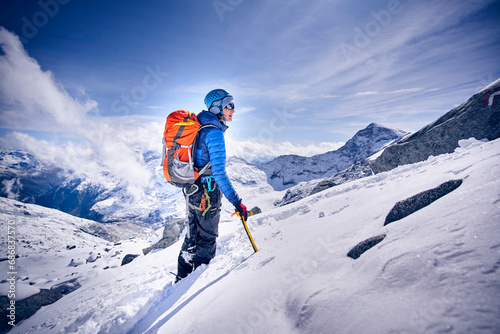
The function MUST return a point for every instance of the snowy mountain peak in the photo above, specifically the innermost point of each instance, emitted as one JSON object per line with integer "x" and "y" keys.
{"x": 374, "y": 125}
{"x": 373, "y": 138}
{"x": 287, "y": 171}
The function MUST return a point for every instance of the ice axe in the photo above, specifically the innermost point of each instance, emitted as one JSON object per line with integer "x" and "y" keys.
{"x": 246, "y": 229}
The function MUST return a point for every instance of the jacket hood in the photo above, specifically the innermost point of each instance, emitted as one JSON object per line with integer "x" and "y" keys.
{"x": 205, "y": 117}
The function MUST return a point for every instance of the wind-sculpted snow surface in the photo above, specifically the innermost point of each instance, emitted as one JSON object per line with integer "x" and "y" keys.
{"x": 438, "y": 271}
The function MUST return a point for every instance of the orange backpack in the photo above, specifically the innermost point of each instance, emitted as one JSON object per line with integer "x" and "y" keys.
{"x": 179, "y": 144}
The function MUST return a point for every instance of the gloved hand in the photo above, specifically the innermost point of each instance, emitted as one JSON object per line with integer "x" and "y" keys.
{"x": 242, "y": 209}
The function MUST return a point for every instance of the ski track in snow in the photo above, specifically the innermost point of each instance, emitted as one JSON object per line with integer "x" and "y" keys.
{"x": 436, "y": 271}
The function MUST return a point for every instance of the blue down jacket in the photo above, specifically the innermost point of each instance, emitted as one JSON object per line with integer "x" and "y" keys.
{"x": 211, "y": 147}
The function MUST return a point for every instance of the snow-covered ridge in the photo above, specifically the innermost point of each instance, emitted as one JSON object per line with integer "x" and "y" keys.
{"x": 478, "y": 117}
{"x": 26, "y": 178}
{"x": 494, "y": 84}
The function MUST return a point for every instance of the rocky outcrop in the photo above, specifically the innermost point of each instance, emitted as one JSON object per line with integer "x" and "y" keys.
{"x": 479, "y": 117}
{"x": 129, "y": 258}
{"x": 363, "y": 246}
{"x": 358, "y": 170}
{"x": 170, "y": 235}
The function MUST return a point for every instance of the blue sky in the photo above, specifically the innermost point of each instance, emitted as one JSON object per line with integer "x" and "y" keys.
{"x": 303, "y": 72}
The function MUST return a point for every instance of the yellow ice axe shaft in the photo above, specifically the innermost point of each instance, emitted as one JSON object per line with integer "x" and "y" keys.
{"x": 247, "y": 230}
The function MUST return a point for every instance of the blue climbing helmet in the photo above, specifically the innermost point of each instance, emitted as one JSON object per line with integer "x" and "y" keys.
{"x": 217, "y": 99}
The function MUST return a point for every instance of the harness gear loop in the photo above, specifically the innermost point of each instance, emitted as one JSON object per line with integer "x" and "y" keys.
{"x": 205, "y": 204}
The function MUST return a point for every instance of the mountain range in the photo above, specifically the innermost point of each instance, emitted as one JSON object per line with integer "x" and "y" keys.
{"x": 434, "y": 252}
{"x": 478, "y": 117}
{"x": 28, "y": 179}
{"x": 281, "y": 181}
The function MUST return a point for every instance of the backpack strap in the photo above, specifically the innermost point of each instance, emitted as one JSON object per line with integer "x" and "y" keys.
{"x": 195, "y": 145}
{"x": 204, "y": 169}
{"x": 164, "y": 151}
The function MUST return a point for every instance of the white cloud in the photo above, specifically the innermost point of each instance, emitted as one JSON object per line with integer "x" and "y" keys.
{"x": 34, "y": 91}
{"x": 244, "y": 110}
{"x": 408, "y": 90}
{"x": 38, "y": 101}
{"x": 261, "y": 150}
{"x": 398, "y": 91}
{"x": 329, "y": 96}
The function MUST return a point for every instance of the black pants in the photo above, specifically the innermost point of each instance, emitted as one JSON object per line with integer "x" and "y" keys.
{"x": 203, "y": 228}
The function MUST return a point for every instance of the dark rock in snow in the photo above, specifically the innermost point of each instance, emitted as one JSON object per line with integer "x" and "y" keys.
{"x": 171, "y": 234}
{"x": 25, "y": 308}
{"x": 256, "y": 210}
{"x": 67, "y": 286}
{"x": 410, "y": 205}
{"x": 356, "y": 171}
{"x": 129, "y": 258}
{"x": 363, "y": 246}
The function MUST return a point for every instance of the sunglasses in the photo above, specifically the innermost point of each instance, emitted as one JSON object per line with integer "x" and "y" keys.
{"x": 230, "y": 106}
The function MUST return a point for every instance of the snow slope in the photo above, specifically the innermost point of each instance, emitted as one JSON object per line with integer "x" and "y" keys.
{"x": 437, "y": 270}
{"x": 60, "y": 251}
